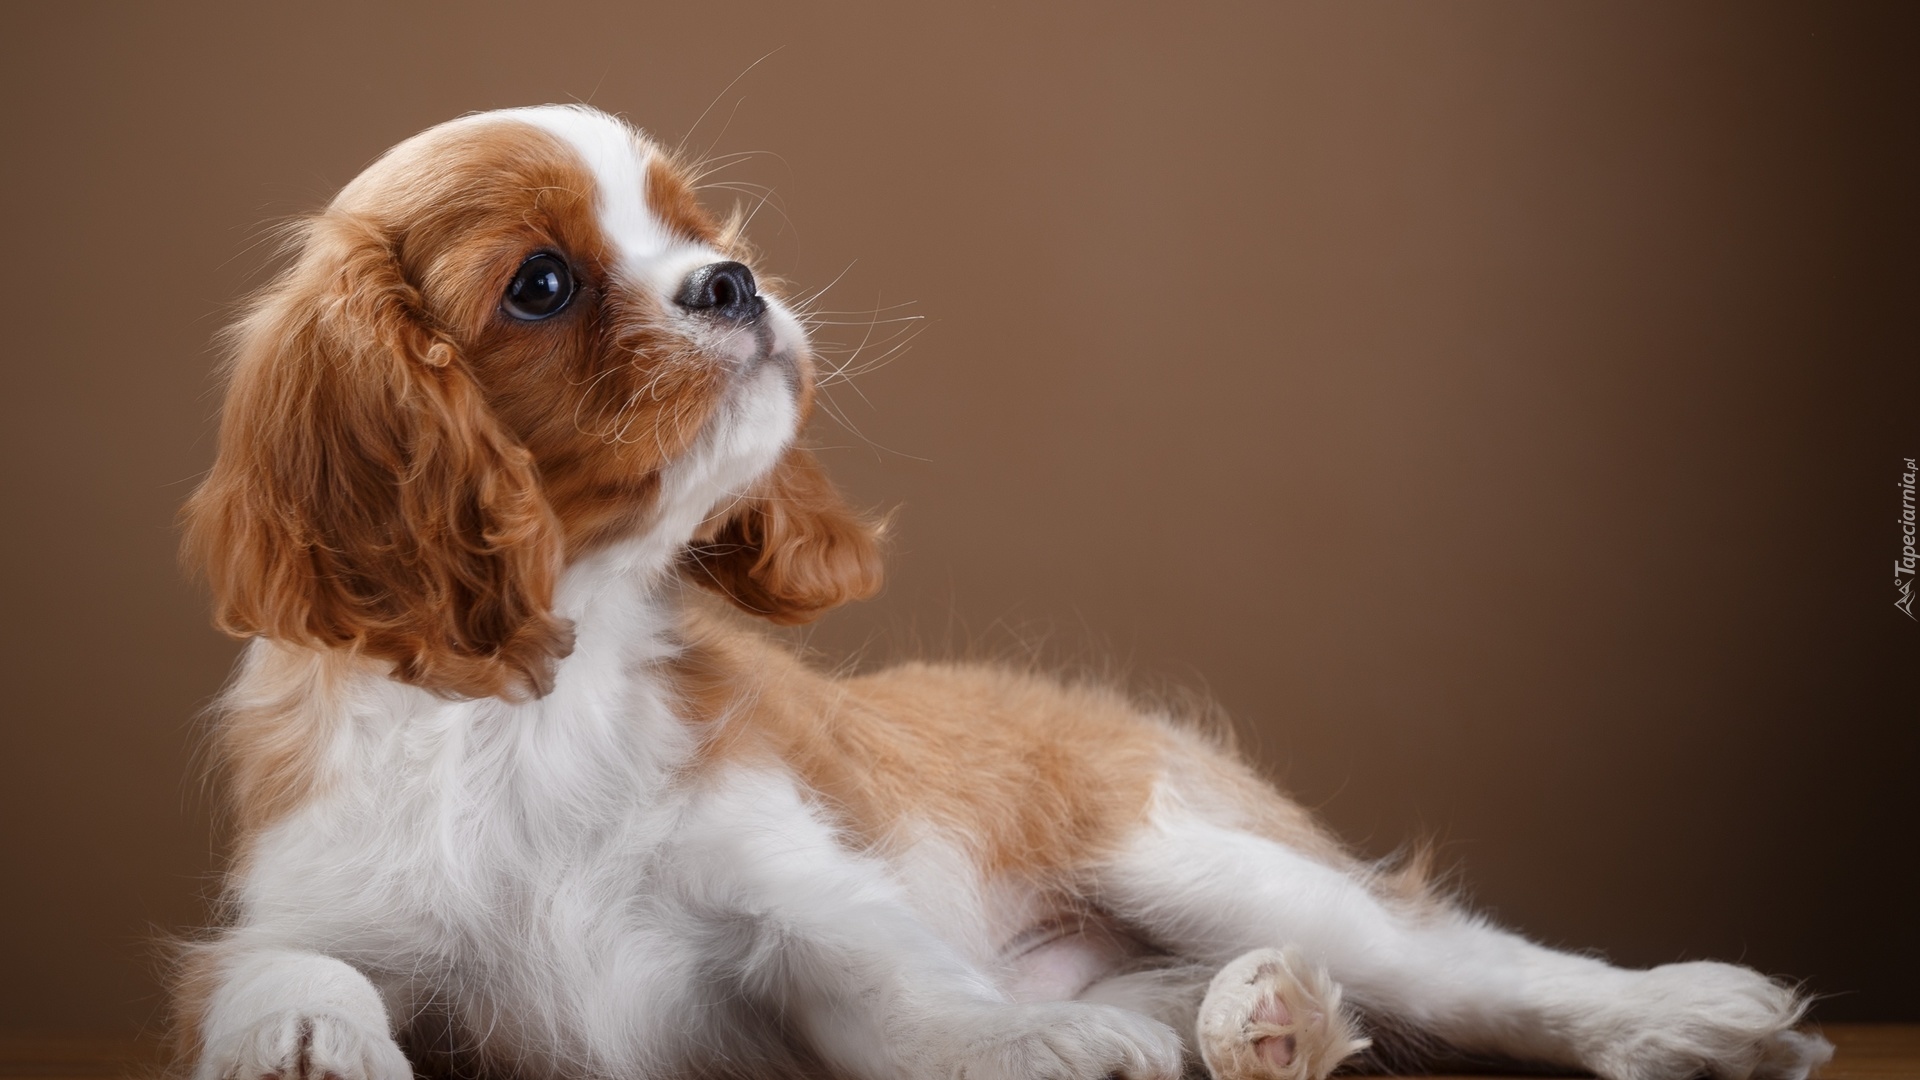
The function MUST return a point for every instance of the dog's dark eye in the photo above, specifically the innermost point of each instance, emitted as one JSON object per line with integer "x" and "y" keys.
{"x": 540, "y": 288}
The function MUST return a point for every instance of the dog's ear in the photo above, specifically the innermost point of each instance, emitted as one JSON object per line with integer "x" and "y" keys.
{"x": 791, "y": 549}
{"x": 364, "y": 496}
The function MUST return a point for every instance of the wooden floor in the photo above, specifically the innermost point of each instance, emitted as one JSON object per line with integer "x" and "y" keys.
{"x": 1865, "y": 1052}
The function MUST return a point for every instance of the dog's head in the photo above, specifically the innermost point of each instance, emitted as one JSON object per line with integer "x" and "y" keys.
{"x": 514, "y": 339}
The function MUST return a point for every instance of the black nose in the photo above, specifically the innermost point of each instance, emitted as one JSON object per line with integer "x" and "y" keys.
{"x": 723, "y": 289}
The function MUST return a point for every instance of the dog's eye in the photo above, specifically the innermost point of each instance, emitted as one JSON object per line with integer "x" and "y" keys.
{"x": 540, "y": 288}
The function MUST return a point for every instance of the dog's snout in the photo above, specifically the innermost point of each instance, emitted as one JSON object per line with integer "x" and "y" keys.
{"x": 724, "y": 290}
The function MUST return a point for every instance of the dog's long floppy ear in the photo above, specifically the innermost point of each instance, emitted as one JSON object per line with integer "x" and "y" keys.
{"x": 364, "y": 495}
{"x": 792, "y": 548}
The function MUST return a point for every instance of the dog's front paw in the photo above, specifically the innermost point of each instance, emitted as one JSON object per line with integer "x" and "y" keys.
{"x": 306, "y": 1046}
{"x": 1683, "y": 1020}
{"x": 1065, "y": 1040}
{"x": 1270, "y": 1015}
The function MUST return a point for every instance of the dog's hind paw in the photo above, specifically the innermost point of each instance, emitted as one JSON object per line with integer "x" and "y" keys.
{"x": 1684, "y": 1020}
{"x": 1270, "y": 1015}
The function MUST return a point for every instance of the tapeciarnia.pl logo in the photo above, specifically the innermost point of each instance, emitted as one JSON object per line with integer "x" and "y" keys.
{"x": 1903, "y": 566}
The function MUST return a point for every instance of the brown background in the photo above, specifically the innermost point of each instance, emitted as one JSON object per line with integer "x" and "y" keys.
{"x": 1496, "y": 407}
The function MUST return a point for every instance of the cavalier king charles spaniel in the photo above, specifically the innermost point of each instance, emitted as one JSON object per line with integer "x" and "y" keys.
{"x": 518, "y": 794}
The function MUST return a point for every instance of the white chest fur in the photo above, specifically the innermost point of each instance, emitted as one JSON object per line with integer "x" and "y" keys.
{"x": 491, "y": 851}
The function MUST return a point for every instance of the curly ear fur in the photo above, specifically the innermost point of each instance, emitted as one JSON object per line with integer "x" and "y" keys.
{"x": 364, "y": 495}
{"x": 792, "y": 549}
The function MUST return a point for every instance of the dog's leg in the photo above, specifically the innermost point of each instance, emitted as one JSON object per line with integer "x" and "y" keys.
{"x": 825, "y": 936}
{"x": 276, "y": 1013}
{"x": 1214, "y": 892}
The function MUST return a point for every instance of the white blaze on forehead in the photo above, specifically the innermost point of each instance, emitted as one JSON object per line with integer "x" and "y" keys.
{"x": 617, "y": 156}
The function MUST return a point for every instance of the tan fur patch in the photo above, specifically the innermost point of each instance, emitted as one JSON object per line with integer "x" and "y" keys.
{"x": 956, "y": 749}
{"x": 1037, "y": 778}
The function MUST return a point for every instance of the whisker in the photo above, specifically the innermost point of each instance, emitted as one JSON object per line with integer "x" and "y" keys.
{"x": 803, "y": 301}
{"x": 682, "y": 144}
{"x": 706, "y": 167}
{"x": 863, "y": 322}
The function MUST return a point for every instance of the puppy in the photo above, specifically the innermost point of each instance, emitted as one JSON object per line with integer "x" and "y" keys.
{"x": 513, "y": 799}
